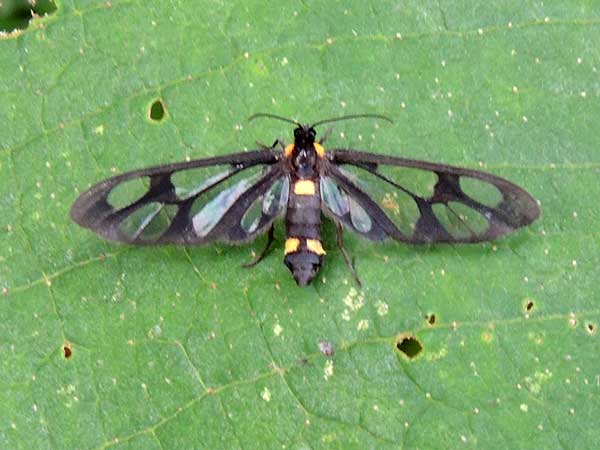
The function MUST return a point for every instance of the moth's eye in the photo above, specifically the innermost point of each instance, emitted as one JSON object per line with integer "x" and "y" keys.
{"x": 312, "y": 132}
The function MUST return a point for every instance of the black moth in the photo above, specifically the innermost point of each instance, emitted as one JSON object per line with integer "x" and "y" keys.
{"x": 235, "y": 198}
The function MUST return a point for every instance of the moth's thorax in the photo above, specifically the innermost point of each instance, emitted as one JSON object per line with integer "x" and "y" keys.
{"x": 304, "y": 153}
{"x": 304, "y": 161}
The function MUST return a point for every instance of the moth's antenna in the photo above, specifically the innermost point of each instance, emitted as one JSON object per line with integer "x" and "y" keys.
{"x": 352, "y": 116}
{"x": 273, "y": 116}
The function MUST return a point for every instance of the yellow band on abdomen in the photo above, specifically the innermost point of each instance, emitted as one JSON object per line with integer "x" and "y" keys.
{"x": 304, "y": 187}
{"x": 314, "y": 246}
{"x": 291, "y": 245}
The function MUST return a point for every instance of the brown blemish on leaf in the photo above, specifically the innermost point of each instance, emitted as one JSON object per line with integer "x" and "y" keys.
{"x": 431, "y": 319}
{"x": 67, "y": 350}
{"x": 327, "y": 348}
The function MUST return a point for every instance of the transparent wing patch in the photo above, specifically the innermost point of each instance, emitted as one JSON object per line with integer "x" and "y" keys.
{"x": 343, "y": 206}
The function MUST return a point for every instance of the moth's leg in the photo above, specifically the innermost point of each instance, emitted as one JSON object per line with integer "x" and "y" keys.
{"x": 278, "y": 142}
{"x": 340, "y": 243}
{"x": 261, "y": 255}
{"x": 325, "y": 135}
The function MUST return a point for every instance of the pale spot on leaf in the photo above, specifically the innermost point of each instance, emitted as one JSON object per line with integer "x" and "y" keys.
{"x": 266, "y": 394}
{"x": 328, "y": 371}
{"x": 382, "y": 308}
{"x": 363, "y": 325}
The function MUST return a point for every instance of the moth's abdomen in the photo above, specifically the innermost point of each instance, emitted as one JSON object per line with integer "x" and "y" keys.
{"x": 303, "y": 249}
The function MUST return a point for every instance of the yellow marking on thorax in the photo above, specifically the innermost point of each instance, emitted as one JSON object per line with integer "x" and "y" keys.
{"x": 304, "y": 187}
{"x": 314, "y": 246}
{"x": 291, "y": 245}
{"x": 287, "y": 152}
{"x": 319, "y": 149}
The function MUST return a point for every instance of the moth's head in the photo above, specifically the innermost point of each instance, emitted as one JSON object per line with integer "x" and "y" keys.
{"x": 304, "y": 136}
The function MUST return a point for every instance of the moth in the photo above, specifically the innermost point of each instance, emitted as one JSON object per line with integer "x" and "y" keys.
{"x": 237, "y": 197}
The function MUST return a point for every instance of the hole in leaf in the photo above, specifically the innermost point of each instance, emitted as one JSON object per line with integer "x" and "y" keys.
{"x": 590, "y": 327}
{"x": 17, "y": 14}
{"x": 529, "y": 305}
{"x": 67, "y": 352}
{"x": 431, "y": 319}
{"x": 409, "y": 346}
{"x": 157, "y": 110}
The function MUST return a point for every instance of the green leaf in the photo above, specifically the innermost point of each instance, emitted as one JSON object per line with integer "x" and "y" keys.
{"x": 182, "y": 348}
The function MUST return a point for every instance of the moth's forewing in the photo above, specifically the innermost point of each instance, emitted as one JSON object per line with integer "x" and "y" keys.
{"x": 420, "y": 202}
{"x": 233, "y": 198}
